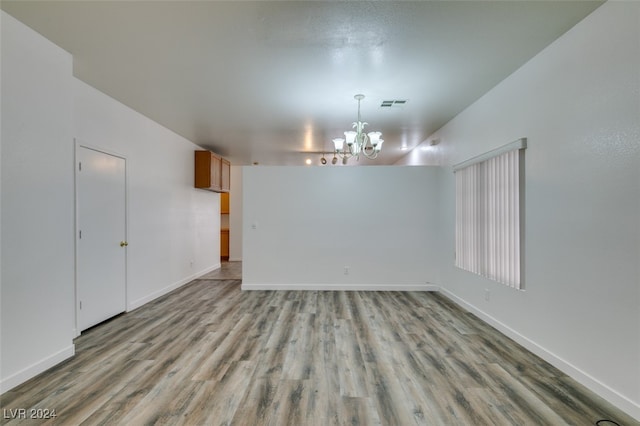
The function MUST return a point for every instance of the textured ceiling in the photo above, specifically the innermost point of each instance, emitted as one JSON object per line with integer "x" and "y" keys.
{"x": 272, "y": 81}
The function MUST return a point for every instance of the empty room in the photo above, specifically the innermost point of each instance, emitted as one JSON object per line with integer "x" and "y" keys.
{"x": 320, "y": 212}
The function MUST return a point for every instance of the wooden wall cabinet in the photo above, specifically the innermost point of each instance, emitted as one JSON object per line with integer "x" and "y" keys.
{"x": 212, "y": 172}
{"x": 225, "y": 175}
{"x": 224, "y": 203}
{"x": 224, "y": 244}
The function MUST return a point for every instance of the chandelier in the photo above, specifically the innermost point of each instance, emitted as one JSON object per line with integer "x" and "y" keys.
{"x": 358, "y": 142}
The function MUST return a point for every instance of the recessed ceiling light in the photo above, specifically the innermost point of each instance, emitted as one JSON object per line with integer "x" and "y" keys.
{"x": 308, "y": 161}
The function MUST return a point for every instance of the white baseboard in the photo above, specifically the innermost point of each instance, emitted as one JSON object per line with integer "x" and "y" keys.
{"x": 33, "y": 370}
{"x": 341, "y": 287}
{"x": 206, "y": 271}
{"x": 615, "y": 398}
{"x": 233, "y": 259}
{"x": 143, "y": 300}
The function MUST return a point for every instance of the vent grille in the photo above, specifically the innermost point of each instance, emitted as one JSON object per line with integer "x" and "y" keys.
{"x": 395, "y": 102}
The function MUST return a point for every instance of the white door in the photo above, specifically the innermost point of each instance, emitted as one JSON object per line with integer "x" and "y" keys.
{"x": 101, "y": 248}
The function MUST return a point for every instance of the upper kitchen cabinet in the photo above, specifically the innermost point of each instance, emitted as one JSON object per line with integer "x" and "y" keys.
{"x": 212, "y": 172}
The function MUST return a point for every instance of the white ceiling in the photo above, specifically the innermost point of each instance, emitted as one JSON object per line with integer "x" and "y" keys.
{"x": 267, "y": 81}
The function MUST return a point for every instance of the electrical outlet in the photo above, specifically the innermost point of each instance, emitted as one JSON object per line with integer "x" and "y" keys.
{"x": 487, "y": 294}
{"x": 191, "y": 263}
{"x": 346, "y": 270}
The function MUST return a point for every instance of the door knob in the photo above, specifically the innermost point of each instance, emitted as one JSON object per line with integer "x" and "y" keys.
{"x": 123, "y": 243}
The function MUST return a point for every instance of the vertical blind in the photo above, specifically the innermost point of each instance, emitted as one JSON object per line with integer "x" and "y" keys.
{"x": 488, "y": 214}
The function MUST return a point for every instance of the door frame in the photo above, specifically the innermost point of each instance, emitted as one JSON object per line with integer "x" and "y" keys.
{"x": 83, "y": 144}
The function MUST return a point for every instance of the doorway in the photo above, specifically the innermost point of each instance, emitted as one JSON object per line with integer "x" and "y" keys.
{"x": 101, "y": 244}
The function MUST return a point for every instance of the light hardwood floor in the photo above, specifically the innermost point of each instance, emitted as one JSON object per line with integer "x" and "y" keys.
{"x": 209, "y": 354}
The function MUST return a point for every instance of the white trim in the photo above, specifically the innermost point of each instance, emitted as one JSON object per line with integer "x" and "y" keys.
{"x": 622, "y": 402}
{"x": 34, "y": 369}
{"x": 81, "y": 143}
{"x": 341, "y": 287}
{"x": 518, "y": 144}
{"x": 146, "y": 299}
{"x": 76, "y": 331}
{"x": 235, "y": 260}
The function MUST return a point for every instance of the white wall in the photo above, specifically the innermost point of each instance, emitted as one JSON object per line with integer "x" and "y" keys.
{"x": 37, "y": 293}
{"x": 578, "y": 103}
{"x": 170, "y": 223}
{"x": 173, "y": 229}
{"x": 311, "y": 222}
{"x": 235, "y": 216}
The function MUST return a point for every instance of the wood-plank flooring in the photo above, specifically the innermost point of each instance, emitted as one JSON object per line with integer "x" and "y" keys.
{"x": 209, "y": 354}
{"x": 228, "y": 271}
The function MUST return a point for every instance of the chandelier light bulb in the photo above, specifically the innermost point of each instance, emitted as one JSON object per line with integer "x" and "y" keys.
{"x": 374, "y": 137}
{"x": 350, "y": 137}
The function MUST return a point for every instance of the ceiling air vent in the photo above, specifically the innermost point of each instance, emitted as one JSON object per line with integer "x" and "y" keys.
{"x": 396, "y": 102}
